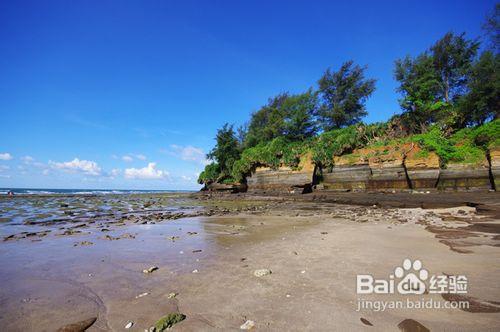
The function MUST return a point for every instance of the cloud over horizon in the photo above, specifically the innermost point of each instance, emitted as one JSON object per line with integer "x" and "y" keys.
{"x": 76, "y": 165}
{"x": 5, "y": 156}
{"x": 188, "y": 153}
{"x": 146, "y": 173}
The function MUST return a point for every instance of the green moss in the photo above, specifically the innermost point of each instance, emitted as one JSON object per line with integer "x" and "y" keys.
{"x": 210, "y": 174}
{"x": 273, "y": 154}
{"x": 345, "y": 140}
{"x": 422, "y": 154}
{"x": 168, "y": 321}
{"x": 352, "y": 158}
{"x": 465, "y": 146}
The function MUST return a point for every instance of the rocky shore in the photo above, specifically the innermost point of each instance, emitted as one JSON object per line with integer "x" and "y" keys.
{"x": 376, "y": 169}
{"x": 219, "y": 261}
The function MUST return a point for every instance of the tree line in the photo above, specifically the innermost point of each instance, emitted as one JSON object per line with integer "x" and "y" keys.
{"x": 450, "y": 85}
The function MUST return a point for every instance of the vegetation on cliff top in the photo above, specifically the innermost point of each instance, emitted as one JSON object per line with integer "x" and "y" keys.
{"x": 450, "y": 102}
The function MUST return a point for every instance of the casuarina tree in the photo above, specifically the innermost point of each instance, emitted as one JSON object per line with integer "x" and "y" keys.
{"x": 343, "y": 96}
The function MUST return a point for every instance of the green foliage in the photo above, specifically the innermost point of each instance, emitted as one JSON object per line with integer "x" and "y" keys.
{"x": 482, "y": 103}
{"x": 343, "y": 141}
{"x": 444, "y": 89}
{"x": 210, "y": 174}
{"x": 492, "y": 28}
{"x": 485, "y": 136}
{"x": 279, "y": 151}
{"x": 267, "y": 123}
{"x": 300, "y": 111}
{"x": 465, "y": 146}
{"x": 226, "y": 150}
{"x": 166, "y": 322}
{"x": 434, "y": 140}
{"x": 452, "y": 57}
{"x": 343, "y": 96}
{"x": 334, "y": 143}
{"x": 291, "y": 116}
{"x": 419, "y": 85}
{"x": 432, "y": 83}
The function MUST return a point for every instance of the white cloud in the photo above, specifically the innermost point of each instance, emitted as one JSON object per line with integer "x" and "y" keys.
{"x": 149, "y": 172}
{"x": 127, "y": 158}
{"x": 4, "y": 168}
{"x": 5, "y": 156}
{"x": 5, "y": 176}
{"x": 45, "y": 172}
{"x": 115, "y": 172}
{"x": 189, "y": 153}
{"x": 27, "y": 159}
{"x": 77, "y": 165}
{"x": 130, "y": 157}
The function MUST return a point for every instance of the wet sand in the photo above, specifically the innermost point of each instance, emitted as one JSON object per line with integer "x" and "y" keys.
{"x": 207, "y": 251}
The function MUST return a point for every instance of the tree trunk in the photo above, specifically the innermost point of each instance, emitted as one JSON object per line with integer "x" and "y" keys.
{"x": 446, "y": 90}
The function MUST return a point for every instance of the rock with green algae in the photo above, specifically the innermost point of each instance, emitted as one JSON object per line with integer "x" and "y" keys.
{"x": 168, "y": 321}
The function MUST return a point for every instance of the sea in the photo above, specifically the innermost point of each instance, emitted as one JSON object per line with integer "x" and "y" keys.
{"x": 44, "y": 191}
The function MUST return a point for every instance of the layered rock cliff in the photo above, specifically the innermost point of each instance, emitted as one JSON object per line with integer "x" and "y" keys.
{"x": 283, "y": 179}
{"x": 402, "y": 167}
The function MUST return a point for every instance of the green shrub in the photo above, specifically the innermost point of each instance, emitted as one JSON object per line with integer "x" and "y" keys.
{"x": 467, "y": 145}
{"x": 273, "y": 154}
{"x": 343, "y": 141}
{"x": 434, "y": 140}
{"x": 210, "y": 174}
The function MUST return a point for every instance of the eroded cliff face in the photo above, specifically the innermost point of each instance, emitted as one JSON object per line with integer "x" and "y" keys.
{"x": 402, "y": 167}
{"x": 494, "y": 158}
{"x": 283, "y": 179}
{"x": 422, "y": 168}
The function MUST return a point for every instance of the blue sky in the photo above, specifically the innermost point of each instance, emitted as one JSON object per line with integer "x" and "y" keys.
{"x": 129, "y": 94}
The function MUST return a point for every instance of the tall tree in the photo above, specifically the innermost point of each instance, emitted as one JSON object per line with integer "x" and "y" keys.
{"x": 300, "y": 112}
{"x": 268, "y": 122}
{"x": 453, "y": 56}
{"x": 226, "y": 150}
{"x": 343, "y": 96}
{"x": 482, "y": 103}
{"x": 433, "y": 82}
{"x": 492, "y": 28}
{"x": 419, "y": 86}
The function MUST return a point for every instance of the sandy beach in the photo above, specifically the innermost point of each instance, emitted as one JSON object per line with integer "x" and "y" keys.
{"x": 207, "y": 251}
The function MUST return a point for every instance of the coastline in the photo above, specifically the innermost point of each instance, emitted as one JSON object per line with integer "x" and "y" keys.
{"x": 313, "y": 245}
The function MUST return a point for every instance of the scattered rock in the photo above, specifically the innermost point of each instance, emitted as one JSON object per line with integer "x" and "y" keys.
{"x": 262, "y": 272}
{"x": 129, "y": 325}
{"x": 195, "y": 271}
{"x": 248, "y": 325}
{"x": 192, "y": 233}
{"x": 80, "y": 326}
{"x": 172, "y": 295}
{"x": 410, "y": 325}
{"x": 141, "y": 295}
{"x": 197, "y": 250}
{"x": 324, "y": 233}
{"x": 365, "y": 321}
{"x": 168, "y": 321}
{"x": 83, "y": 243}
{"x": 150, "y": 270}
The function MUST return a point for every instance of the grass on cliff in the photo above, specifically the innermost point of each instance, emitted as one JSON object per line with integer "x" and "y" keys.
{"x": 468, "y": 146}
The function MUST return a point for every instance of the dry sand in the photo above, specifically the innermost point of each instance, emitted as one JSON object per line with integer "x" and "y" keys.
{"x": 314, "y": 250}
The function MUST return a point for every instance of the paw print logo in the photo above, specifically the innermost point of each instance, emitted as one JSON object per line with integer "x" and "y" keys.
{"x": 413, "y": 277}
